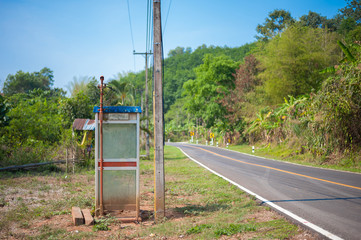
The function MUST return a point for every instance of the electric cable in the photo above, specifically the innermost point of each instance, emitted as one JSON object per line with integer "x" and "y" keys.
{"x": 131, "y": 31}
{"x": 166, "y": 19}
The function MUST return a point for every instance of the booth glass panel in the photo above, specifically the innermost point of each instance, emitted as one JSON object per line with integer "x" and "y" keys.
{"x": 119, "y": 141}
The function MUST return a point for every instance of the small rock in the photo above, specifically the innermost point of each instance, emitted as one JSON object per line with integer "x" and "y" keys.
{"x": 152, "y": 235}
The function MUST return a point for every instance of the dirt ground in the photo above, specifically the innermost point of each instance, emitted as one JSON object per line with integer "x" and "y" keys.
{"x": 54, "y": 195}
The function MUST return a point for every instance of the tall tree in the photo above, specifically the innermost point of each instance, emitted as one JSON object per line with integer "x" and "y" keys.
{"x": 124, "y": 91}
{"x": 78, "y": 106}
{"x": 24, "y": 82}
{"x": 245, "y": 81}
{"x": 292, "y": 61}
{"x": 313, "y": 19}
{"x": 275, "y": 23}
{"x": 35, "y": 117}
{"x": 4, "y": 108}
{"x": 353, "y": 10}
{"x": 214, "y": 76}
{"x": 79, "y": 84}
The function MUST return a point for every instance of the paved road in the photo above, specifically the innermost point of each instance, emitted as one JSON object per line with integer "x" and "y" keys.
{"x": 330, "y": 199}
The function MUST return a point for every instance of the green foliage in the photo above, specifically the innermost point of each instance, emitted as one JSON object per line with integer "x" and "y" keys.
{"x": 346, "y": 51}
{"x": 4, "y": 108}
{"x": 102, "y": 224}
{"x": 78, "y": 106}
{"x": 313, "y": 20}
{"x": 79, "y": 85}
{"x": 34, "y": 117}
{"x": 198, "y": 229}
{"x": 352, "y": 10}
{"x": 278, "y": 124}
{"x": 92, "y": 92}
{"x": 179, "y": 67}
{"x": 214, "y": 76}
{"x": 336, "y": 109}
{"x": 346, "y": 25}
{"x": 24, "y": 82}
{"x": 292, "y": 61}
{"x": 35, "y": 126}
{"x": 235, "y": 101}
{"x": 124, "y": 92}
{"x": 136, "y": 86}
{"x": 234, "y": 229}
{"x": 276, "y": 21}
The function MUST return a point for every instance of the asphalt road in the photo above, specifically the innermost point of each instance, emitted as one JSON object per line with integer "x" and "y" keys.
{"x": 327, "y": 198}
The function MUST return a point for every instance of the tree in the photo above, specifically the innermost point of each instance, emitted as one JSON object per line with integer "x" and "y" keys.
{"x": 313, "y": 20}
{"x": 352, "y": 10}
{"x": 333, "y": 24}
{"x": 176, "y": 51}
{"x": 93, "y": 92}
{"x": 275, "y": 23}
{"x": 78, "y": 106}
{"x": 24, "y": 82}
{"x": 35, "y": 117}
{"x": 179, "y": 68}
{"x": 4, "y": 108}
{"x": 214, "y": 80}
{"x": 124, "y": 92}
{"x": 346, "y": 25}
{"x": 245, "y": 81}
{"x": 292, "y": 61}
{"x": 78, "y": 84}
{"x": 337, "y": 108}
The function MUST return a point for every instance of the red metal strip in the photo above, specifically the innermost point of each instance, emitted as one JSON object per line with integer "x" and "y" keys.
{"x": 118, "y": 164}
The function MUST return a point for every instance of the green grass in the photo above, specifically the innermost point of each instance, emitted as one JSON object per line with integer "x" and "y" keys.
{"x": 283, "y": 153}
{"x": 38, "y": 198}
{"x": 199, "y": 205}
{"x": 209, "y": 206}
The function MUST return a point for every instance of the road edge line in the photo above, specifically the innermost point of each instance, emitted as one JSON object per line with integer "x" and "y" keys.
{"x": 272, "y": 159}
{"x": 271, "y": 204}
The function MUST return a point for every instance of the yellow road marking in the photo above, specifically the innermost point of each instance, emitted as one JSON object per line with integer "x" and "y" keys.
{"x": 280, "y": 170}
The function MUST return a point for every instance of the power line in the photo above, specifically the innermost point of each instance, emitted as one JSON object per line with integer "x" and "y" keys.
{"x": 146, "y": 28}
{"x": 149, "y": 26}
{"x": 130, "y": 25}
{"x": 166, "y": 19}
{"x": 131, "y": 31}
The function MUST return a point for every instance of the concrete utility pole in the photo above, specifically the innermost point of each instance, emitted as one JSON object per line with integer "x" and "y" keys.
{"x": 159, "y": 193}
{"x": 146, "y": 100}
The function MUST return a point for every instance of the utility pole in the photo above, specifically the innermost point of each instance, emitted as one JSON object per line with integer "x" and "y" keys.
{"x": 146, "y": 100}
{"x": 159, "y": 193}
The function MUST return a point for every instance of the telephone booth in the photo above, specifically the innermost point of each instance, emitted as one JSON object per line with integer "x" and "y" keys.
{"x": 120, "y": 161}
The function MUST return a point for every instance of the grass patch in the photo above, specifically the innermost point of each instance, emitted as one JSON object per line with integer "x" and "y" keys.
{"x": 283, "y": 152}
{"x": 199, "y": 205}
{"x": 202, "y": 205}
{"x": 234, "y": 229}
{"x": 102, "y": 224}
{"x": 198, "y": 229}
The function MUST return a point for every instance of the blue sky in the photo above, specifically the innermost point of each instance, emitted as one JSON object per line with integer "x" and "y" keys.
{"x": 92, "y": 38}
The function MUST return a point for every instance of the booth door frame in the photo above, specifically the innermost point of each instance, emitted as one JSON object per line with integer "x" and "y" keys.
{"x": 136, "y": 168}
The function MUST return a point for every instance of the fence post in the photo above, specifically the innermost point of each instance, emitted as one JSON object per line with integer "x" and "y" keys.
{"x": 66, "y": 160}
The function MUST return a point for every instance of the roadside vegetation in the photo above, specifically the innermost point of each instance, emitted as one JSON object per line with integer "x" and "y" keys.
{"x": 296, "y": 87}
{"x": 294, "y": 93}
{"x": 199, "y": 205}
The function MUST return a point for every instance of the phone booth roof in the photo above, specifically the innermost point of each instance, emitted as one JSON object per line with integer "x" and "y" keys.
{"x": 118, "y": 109}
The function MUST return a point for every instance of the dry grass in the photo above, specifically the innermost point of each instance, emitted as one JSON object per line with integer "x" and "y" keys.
{"x": 199, "y": 205}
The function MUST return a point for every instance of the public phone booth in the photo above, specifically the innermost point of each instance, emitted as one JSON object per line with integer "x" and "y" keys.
{"x": 120, "y": 172}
